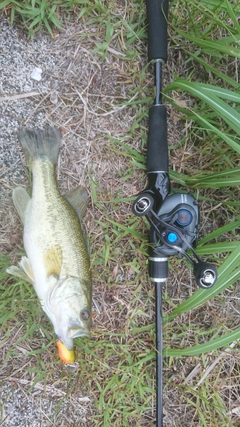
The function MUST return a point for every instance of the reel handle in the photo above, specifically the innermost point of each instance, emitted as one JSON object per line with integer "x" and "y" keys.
{"x": 157, "y": 13}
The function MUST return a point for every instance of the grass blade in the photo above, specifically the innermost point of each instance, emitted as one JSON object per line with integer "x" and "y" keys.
{"x": 207, "y": 93}
{"x": 219, "y": 232}
{"x": 212, "y": 345}
{"x": 218, "y": 46}
{"x": 228, "y": 273}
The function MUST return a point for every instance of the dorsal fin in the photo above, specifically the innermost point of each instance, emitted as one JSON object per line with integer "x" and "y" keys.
{"x": 78, "y": 199}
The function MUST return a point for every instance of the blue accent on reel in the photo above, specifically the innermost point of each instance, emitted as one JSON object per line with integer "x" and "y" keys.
{"x": 184, "y": 217}
{"x": 172, "y": 237}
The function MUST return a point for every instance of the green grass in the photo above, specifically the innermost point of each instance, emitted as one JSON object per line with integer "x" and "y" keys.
{"x": 118, "y": 363}
{"x": 37, "y": 14}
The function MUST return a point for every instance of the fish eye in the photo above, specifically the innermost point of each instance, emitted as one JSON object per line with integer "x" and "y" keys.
{"x": 85, "y": 314}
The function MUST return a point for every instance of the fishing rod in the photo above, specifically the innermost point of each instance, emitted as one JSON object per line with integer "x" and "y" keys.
{"x": 173, "y": 218}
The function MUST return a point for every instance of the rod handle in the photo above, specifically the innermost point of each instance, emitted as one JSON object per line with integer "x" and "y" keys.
{"x": 157, "y": 14}
{"x": 157, "y": 146}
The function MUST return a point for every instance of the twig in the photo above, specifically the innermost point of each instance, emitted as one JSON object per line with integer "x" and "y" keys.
{"x": 47, "y": 388}
{"x": 20, "y": 96}
{"x": 212, "y": 366}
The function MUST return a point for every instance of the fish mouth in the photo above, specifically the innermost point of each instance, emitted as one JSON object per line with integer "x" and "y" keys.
{"x": 79, "y": 333}
{"x": 67, "y": 339}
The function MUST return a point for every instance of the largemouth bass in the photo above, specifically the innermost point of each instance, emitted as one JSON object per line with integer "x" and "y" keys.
{"x": 57, "y": 262}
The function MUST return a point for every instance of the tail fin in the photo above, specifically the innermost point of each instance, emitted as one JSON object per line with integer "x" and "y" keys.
{"x": 37, "y": 143}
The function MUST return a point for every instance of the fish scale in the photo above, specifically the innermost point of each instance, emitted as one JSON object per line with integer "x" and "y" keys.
{"x": 59, "y": 224}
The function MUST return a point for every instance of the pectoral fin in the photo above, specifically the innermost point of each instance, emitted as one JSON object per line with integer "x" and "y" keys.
{"x": 78, "y": 199}
{"x": 21, "y": 200}
{"x": 53, "y": 260}
{"x": 24, "y": 271}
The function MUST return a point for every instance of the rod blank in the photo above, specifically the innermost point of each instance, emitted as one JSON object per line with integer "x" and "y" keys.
{"x": 159, "y": 344}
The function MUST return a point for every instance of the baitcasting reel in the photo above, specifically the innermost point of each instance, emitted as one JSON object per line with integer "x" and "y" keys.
{"x": 174, "y": 229}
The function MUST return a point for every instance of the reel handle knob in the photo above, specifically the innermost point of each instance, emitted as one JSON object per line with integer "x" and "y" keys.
{"x": 143, "y": 204}
{"x": 205, "y": 274}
